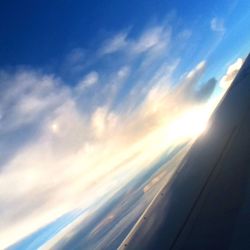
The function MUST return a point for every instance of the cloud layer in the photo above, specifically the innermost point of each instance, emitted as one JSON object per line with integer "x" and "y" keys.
{"x": 61, "y": 141}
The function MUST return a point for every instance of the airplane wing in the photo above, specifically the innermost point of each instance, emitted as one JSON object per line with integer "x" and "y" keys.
{"x": 207, "y": 203}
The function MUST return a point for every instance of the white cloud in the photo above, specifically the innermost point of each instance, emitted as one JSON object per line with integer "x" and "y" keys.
{"x": 155, "y": 38}
{"x": 98, "y": 120}
{"x": 115, "y": 83}
{"x": 191, "y": 79}
{"x": 232, "y": 71}
{"x": 89, "y": 151}
{"x": 87, "y": 81}
{"x": 217, "y": 25}
{"x": 114, "y": 44}
{"x": 26, "y": 96}
{"x": 123, "y": 72}
{"x": 199, "y": 68}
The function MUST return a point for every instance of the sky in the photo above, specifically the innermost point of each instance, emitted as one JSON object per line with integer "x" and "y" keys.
{"x": 94, "y": 98}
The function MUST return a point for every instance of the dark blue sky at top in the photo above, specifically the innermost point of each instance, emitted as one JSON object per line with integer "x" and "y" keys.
{"x": 39, "y": 32}
{"x": 42, "y": 34}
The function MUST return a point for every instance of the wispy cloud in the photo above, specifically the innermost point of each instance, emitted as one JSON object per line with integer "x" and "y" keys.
{"x": 114, "y": 44}
{"x": 26, "y": 95}
{"x": 79, "y": 147}
{"x": 154, "y": 38}
{"x": 87, "y": 81}
{"x": 217, "y": 25}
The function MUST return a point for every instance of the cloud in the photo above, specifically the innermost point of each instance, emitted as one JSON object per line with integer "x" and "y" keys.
{"x": 87, "y": 81}
{"x": 115, "y": 44}
{"x": 123, "y": 72}
{"x": 217, "y": 25}
{"x": 89, "y": 146}
{"x": 191, "y": 90}
{"x": 102, "y": 121}
{"x": 154, "y": 38}
{"x": 232, "y": 71}
{"x": 191, "y": 79}
{"x": 206, "y": 90}
{"x": 26, "y": 95}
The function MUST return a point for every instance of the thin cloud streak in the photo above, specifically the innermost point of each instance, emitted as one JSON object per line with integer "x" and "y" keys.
{"x": 155, "y": 38}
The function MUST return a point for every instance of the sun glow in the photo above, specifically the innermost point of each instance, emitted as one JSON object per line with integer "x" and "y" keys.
{"x": 189, "y": 125}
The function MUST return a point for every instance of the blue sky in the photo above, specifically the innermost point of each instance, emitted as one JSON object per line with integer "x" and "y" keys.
{"x": 93, "y": 93}
{"x": 42, "y": 33}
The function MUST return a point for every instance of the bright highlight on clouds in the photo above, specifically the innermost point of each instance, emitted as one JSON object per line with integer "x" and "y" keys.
{"x": 85, "y": 159}
{"x": 76, "y": 152}
{"x": 190, "y": 125}
{"x": 232, "y": 71}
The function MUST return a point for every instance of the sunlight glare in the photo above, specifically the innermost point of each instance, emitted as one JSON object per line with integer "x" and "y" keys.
{"x": 189, "y": 125}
